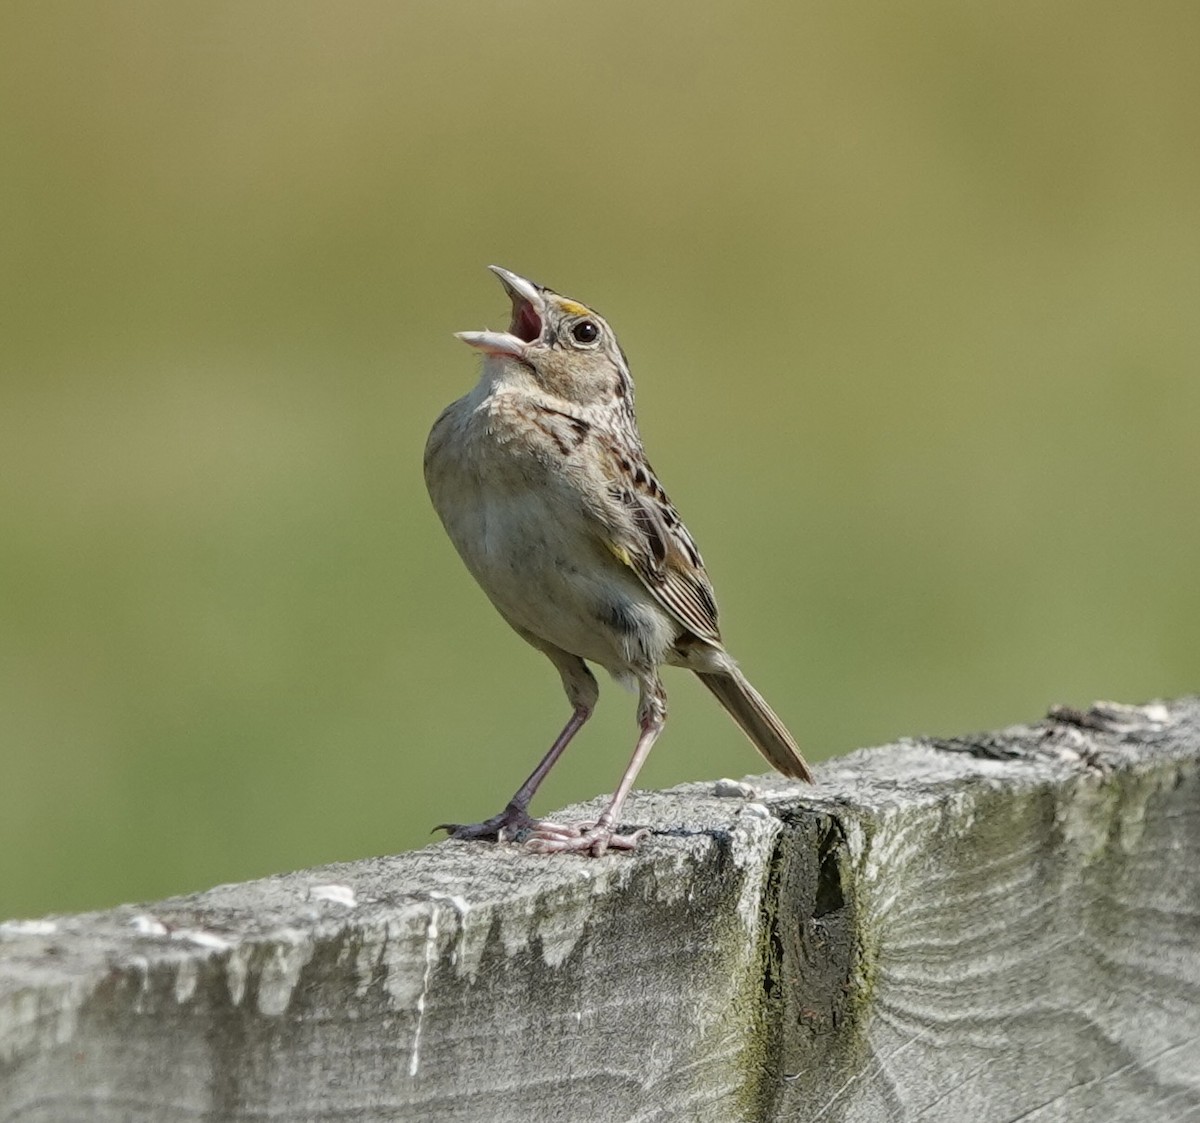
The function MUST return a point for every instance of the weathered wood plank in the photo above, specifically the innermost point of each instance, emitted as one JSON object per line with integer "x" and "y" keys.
{"x": 1000, "y": 927}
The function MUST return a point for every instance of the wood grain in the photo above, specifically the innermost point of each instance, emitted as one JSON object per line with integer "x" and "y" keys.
{"x": 997, "y": 927}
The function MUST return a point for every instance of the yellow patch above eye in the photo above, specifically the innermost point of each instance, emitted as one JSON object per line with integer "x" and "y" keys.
{"x": 573, "y": 309}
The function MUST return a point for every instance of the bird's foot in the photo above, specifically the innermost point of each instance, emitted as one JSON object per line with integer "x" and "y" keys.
{"x": 513, "y": 824}
{"x": 581, "y": 838}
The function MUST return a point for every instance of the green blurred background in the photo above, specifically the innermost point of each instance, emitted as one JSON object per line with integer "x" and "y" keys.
{"x": 912, "y": 295}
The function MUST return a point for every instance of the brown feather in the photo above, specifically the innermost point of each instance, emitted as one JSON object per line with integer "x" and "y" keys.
{"x": 758, "y": 721}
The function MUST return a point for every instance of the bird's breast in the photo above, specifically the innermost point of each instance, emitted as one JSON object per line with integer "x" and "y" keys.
{"x": 520, "y": 523}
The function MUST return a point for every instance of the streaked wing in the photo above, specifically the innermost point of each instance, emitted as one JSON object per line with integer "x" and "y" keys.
{"x": 647, "y": 530}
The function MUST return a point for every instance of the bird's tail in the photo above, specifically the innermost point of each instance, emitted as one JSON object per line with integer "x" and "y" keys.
{"x": 758, "y": 721}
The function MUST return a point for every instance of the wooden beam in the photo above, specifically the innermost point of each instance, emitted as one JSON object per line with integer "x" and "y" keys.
{"x": 996, "y": 927}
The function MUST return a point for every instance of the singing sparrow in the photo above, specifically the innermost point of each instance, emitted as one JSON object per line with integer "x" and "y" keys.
{"x": 540, "y": 479}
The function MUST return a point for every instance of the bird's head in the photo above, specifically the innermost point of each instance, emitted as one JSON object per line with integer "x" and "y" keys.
{"x": 565, "y": 347}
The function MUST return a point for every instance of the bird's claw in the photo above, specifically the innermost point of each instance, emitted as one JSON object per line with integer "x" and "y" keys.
{"x": 581, "y": 838}
{"x": 509, "y": 826}
{"x": 545, "y": 837}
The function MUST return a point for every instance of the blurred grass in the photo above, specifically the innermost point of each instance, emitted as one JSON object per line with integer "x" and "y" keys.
{"x": 910, "y": 294}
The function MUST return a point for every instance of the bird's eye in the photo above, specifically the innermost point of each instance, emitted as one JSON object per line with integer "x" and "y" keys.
{"x": 586, "y": 331}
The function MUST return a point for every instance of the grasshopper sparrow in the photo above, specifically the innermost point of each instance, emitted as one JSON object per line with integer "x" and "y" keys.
{"x": 540, "y": 479}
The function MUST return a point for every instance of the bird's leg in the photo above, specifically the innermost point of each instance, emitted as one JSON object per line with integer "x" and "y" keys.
{"x": 514, "y": 819}
{"x": 595, "y": 838}
{"x": 582, "y": 692}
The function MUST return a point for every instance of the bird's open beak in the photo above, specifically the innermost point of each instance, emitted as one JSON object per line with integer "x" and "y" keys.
{"x": 528, "y": 306}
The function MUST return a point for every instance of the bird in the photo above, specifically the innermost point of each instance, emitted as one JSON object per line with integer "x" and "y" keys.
{"x": 540, "y": 479}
